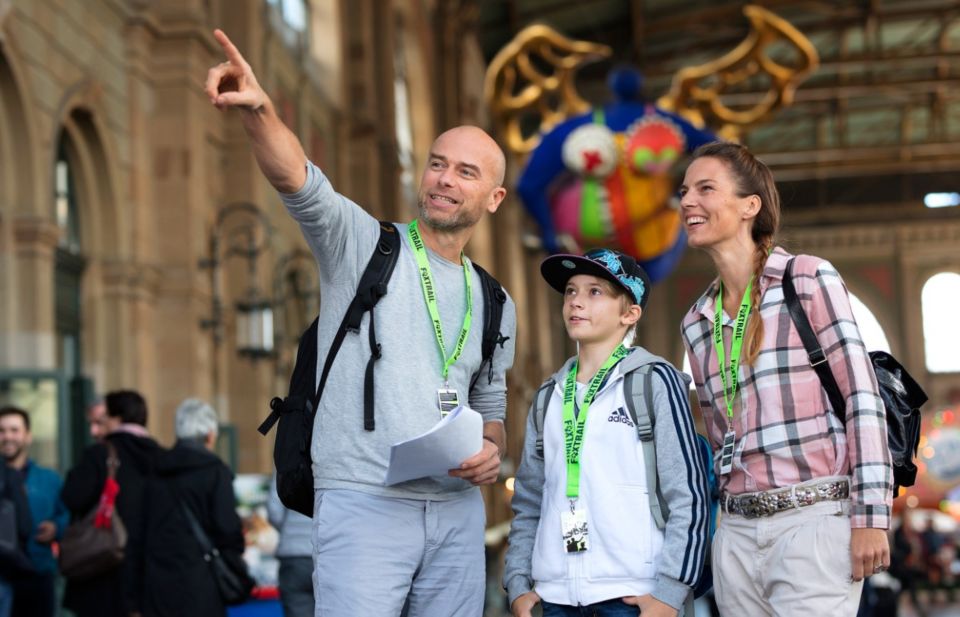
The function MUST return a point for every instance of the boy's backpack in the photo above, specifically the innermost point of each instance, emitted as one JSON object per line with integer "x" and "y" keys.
{"x": 295, "y": 412}
{"x": 638, "y": 392}
{"x": 901, "y": 395}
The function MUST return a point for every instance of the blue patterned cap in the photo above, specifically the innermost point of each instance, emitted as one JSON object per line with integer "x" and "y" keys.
{"x": 614, "y": 266}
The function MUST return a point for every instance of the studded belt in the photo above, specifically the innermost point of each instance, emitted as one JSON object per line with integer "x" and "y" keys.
{"x": 768, "y": 503}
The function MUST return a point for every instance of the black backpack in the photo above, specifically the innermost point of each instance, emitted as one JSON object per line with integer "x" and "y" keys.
{"x": 291, "y": 453}
{"x": 902, "y": 396}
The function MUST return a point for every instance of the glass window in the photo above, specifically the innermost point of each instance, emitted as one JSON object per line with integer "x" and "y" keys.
{"x": 43, "y": 396}
{"x": 69, "y": 264}
{"x": 293, "y": 12}
{"x": 65, "y": 203}
{"x": 404, "y": 128}
{"x": 941, "y": 330}
{"x": 870, "y": 330}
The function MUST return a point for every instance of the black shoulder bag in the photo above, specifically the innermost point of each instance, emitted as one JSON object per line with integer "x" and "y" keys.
{"x": 902, "y": 396}
{"x": 229, "y": 572}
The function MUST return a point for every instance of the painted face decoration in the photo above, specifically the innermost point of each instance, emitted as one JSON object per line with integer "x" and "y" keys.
{"x": 617, "y": 191}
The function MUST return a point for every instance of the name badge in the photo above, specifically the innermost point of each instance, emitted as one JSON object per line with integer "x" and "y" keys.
{"x": 574, "y": 526}
{"x": 448, "y": 400}
{"x": 726, "y": 453}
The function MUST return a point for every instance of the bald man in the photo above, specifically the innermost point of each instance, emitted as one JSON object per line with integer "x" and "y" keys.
{"x": 420, "y": 542}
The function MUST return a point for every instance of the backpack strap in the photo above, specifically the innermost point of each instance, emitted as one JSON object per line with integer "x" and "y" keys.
{"x": 818, "y": 359}
{"x": 638, "y": 392}
{"x": 541, "y": 400}
{"x": 493, "y": 300}
{"x": 372, "y": 287}
{"x": 636, "y": 397}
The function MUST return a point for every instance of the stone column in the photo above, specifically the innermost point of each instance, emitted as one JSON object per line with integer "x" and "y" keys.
{"x": 32, "y": 343}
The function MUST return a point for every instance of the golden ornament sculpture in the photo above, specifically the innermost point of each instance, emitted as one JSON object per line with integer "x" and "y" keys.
{"x": 534, "y": 75}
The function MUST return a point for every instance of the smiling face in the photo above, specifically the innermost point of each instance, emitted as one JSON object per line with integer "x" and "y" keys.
{"x": 462, "y": 180}
{"x": 594, "y": 311}
{"x": 712, "y": 208}
{"x": 14, "y": 438}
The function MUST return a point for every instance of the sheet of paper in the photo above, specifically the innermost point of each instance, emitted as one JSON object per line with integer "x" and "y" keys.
{"x": 450, "y": 442}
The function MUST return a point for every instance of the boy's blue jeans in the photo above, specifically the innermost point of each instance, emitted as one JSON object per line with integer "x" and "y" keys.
{"x": 608, "y": 608}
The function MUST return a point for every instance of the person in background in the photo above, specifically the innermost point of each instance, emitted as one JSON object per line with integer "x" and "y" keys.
{"x": 100, "y": 423}
{"x": 115, "y": 593}
{"x": 295, "y": 553}
{"x": 13, "y": 554}
{"x": 34, "y": 592}
{"x": 190, "y": 480}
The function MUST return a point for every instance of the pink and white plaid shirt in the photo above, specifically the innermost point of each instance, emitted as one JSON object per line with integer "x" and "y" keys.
{"x": 786, "y": 430}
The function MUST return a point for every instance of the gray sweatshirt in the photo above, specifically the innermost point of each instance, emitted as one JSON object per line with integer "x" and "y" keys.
{"x": 628, "y": 555}
{"x": 342, "y": 236}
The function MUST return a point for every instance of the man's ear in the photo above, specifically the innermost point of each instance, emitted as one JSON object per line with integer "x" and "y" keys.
{"x": 496, "y": 198}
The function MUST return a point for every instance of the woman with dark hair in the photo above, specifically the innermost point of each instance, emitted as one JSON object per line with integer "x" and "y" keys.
{"x": 116, "y": 592}
{"x": 806, "y": 499}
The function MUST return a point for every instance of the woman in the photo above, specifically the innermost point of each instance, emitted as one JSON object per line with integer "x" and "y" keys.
{"x": 806, "y": 499}
{"x": 177, "y": 580}
{"x": 116, "y": 592}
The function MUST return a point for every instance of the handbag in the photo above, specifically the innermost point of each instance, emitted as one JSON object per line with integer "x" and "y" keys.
{"x": 96, "y": 543}
{"x": 228, "y": 570}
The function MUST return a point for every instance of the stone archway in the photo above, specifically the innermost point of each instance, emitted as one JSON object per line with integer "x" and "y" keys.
{"x": 108, "y": 274}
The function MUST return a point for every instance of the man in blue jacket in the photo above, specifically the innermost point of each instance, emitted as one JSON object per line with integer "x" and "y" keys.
{"x": 33, "y": 593}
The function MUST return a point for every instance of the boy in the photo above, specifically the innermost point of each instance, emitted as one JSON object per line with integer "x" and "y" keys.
{"x": 583, "y": 534}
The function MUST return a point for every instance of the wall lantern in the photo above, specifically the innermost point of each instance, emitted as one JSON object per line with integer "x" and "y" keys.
{"x": 241, "y": 230}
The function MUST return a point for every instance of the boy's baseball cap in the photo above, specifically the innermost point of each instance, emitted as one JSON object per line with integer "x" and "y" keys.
{"x": 614, "y": 266}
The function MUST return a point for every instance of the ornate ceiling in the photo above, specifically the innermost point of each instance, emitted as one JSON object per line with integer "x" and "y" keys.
{"x": 873, "y": 130}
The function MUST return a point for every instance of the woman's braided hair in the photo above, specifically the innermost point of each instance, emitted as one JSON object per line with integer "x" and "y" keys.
{"x": 752, "y": 177}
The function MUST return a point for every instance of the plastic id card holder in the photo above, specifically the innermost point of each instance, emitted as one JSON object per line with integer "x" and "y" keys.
{"x": 575, "y": 533}
{"x": 448, "y": 400}
{"x": 726, "y": 453}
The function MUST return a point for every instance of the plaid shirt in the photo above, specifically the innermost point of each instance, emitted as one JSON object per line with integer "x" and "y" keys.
{"x": 786, "y": 430}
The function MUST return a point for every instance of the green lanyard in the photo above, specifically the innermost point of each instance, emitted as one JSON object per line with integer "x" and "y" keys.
{"x": 430, "y": 296}
{"x": 573, "y": 427}
{"x": 729, "y": 374}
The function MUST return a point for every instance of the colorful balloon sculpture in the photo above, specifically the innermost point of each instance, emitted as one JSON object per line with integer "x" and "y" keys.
{"x": 602, "y": 178}
{"x": 601, "y": 175}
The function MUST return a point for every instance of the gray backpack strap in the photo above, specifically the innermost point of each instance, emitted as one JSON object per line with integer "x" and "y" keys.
{"x": 541, "y": 400}
{"x": 638, "y": 392}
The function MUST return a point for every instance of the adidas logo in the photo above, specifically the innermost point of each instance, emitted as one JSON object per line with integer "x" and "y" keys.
{"x": 620, "y": 415}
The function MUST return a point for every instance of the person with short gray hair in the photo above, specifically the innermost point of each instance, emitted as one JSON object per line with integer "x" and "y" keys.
{"x": 189, "y": 476}
{"x": 196, "y": 420}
